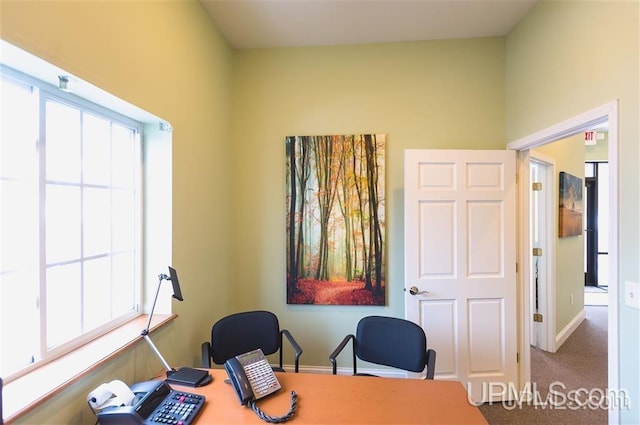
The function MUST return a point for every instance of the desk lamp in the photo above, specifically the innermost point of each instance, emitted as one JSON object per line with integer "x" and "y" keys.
{"x": 184, "y": 375}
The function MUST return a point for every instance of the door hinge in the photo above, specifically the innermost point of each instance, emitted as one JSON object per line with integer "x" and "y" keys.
{"x": 537, "y": 317}
{"x": 537, "y": 252}
{"x": 536, "y": 186}
{"x": 516, "y": 268}
{"x": 517, "y": 357}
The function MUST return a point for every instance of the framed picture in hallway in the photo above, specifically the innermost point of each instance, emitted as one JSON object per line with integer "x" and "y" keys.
{"x": 335, "y": 200}
{"x": 570, "y": 205}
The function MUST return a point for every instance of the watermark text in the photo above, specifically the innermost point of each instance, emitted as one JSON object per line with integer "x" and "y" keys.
{"x": 556, "y": 397}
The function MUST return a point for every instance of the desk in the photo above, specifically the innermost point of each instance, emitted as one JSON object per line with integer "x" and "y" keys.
{"x": 338, "y": 399}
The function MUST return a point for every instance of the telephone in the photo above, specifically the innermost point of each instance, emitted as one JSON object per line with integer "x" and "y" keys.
{"x": 252, "y": 379}
{"x": 251, "y": 376}
{"x": 155, "y": 402}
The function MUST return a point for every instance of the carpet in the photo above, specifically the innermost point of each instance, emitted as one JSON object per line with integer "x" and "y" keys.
{"x": 570, "y": 385}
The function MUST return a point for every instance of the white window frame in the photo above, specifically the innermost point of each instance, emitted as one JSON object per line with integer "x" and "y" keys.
{"x": 48, "y": 92}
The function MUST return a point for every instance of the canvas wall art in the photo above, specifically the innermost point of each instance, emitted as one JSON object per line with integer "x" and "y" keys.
{"x": 570, "y": 205}
{"x": 335, "y": 190}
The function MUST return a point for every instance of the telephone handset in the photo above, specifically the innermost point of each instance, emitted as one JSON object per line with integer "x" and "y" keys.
{"x": 252, "y": 379}
{"x": 251, "y": 376}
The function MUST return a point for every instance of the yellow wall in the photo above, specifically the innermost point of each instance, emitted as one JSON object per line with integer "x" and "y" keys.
{"x": 166, "y": 58}
{"x": 563, "y": 59}
{"x": 444, "y": 94}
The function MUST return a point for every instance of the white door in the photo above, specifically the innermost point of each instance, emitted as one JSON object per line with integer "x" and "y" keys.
{"x": 460, "y": 264}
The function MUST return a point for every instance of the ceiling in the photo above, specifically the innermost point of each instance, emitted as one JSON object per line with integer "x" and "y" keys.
{"x": 251, "y": 24}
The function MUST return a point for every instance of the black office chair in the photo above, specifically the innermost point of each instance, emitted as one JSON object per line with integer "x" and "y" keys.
{"x": 391, "y": 342}
{"x": 243, "y": 332}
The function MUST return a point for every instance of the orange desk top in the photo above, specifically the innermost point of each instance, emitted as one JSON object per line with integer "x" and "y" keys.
{"x": 338, "y": 399}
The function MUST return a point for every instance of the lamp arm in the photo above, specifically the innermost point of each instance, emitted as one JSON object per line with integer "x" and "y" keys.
{"x": 145, "y": 331}
{"x": 166, "y": 365}
{"x": 160, "y": 278}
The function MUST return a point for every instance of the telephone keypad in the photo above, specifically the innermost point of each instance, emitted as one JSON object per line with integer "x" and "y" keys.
{"x": 259, "y": 373}
{"x": 178, "y": 409}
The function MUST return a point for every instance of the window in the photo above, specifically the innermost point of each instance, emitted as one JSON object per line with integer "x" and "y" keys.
{"x": 70, "y": 197}
{"x": 596, "y": 203}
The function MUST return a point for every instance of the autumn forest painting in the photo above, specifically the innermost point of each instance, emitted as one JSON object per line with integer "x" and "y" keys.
{"x": 335, "y": 219}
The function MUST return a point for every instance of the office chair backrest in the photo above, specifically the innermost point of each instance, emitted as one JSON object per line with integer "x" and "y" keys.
{"x": 391, "y": 342}
{"x": 243, "y": 332}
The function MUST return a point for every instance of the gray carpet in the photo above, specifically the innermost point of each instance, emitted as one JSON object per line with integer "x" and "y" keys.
{"x": 579, "y": 364}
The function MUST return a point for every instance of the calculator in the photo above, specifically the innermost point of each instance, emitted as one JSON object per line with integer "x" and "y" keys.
{"x": 178, "y": 408}
{"x": 155, "y": 403}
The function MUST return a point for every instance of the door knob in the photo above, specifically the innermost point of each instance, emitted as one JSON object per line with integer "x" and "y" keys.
{"x": 415, "y": 291}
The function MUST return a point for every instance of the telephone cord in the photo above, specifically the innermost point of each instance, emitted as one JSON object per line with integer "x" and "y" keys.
{"x": 276, "y": 419}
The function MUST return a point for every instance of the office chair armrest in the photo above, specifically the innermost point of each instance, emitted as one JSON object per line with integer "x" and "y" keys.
{"x": 338, "y": 350}
{"x": 296, "y": 348}
{"x": 431, "y": 363}
{"x": 206, "y": 355}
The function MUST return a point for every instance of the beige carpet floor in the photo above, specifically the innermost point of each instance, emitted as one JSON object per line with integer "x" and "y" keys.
{"x": 576, "y": 375}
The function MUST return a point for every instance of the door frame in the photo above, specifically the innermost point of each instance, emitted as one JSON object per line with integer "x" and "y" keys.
{"x": 604, "y": 113}
{"x": 548, "y": 288}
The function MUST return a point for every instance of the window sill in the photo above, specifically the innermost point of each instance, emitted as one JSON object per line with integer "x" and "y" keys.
{"x": 29, "y": 391}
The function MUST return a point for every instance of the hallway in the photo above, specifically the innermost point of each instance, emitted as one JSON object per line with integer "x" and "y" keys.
{"x": 570, "y": 385}
{"x": 596, "y": 295}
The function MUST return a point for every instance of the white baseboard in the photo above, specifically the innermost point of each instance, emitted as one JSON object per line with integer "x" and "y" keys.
{"x": 565, "y": 333}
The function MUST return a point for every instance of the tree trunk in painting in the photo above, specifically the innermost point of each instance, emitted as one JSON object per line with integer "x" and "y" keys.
{"x": 345, "y": 209}
{"x": 325, "y": 176}
{"x": 303, "y": 179}
{"x": 374, "y": 226}
{"x": 362, "y": 203}
{"x": 292, "y": 266}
